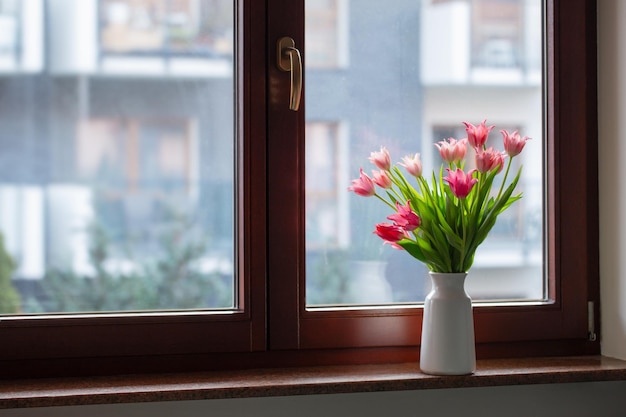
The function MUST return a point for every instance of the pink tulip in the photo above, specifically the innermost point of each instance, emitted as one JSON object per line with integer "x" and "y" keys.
{"x": 381, "y": 159}
{"x": 382, "y": 179}
{"x": 452, "y": 151}
{"x": 513, "y": 143}
{"x": 460, "y": 183}
{"x": 405, "y": 217}
{"x": 412, "y": 164}
{"x": 477, "y": 135}
{"x": 390, "y": 232}
{"x": 363, "y": 186}
{"x": 488, "y": 160}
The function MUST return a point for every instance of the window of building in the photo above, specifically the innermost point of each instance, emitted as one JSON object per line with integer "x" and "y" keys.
{"x": 231, "y": 154}
{"x": 326, "y": 33}
{"x": 191, "y": 38}
{"x": 498, "y": 28}
{"x": 21, "y": 42}
{"x": 9, "y": 22}
{"x": 168, "y": 27}
{"x": 325, "y": 183}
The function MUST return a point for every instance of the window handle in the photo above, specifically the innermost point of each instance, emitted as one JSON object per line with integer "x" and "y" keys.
{"x": 289, "y": 60}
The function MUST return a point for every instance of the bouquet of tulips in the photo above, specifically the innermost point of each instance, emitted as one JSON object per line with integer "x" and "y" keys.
{"x": 442, "y": 221}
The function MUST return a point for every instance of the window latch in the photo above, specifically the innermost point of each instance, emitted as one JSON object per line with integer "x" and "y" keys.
{"x": 288, "y": 59}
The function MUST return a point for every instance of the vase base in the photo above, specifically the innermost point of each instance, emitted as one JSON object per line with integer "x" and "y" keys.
{"x": 446, "y": 373}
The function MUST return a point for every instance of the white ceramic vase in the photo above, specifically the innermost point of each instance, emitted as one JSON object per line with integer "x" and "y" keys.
{"x": 448, "y": 327}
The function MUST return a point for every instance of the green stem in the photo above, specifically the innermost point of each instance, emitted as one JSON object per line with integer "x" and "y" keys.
{"x": 398, "y": 196}
{"x": 385, "y": 201}
{"x": 402, "y": 184}
{"x": 464, "y": 241}
{"x": 476, "y": 193}
{"x": 506, "y": 174}
{"x": 426, "y": 191}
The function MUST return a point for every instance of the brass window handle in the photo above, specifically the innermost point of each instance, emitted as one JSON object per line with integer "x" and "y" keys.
{"x": 288, "y": 59}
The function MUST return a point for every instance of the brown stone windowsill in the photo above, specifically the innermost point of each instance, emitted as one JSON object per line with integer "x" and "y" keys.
{"x": 301, "y": 381}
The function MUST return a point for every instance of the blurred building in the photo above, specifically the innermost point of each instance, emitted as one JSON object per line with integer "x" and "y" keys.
{"x": 116, "y": 112}
{"x": 120, "y": 112}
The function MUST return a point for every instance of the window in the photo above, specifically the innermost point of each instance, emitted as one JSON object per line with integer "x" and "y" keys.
{"x": 121, "y": 219}
{"x": 179, "y": 27}
{"x": 567, "y": 287}
{"x": 326, "y": 34}
{"x": 119, "y": 182}
{"x": 497, "y": 33}
{"x": 269, "y": 321}
{"x": 184, "y": 37}
{"x": 21, "y": 45}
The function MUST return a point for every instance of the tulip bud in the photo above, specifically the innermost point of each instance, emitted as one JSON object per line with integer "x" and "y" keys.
{"x": 513, "y": 143}
{"x": 363, "y": 186}
{"x": 381, "y": 159}
{"x": 477, "y": 135}
{"x": 452, "y": 151}
{"x": 390, "y": 232}
{"x": 405, "y": 217}
{"x": 488, "y": 160}
{"x": 460, "y": 183}
{"x": 412, "y": 164}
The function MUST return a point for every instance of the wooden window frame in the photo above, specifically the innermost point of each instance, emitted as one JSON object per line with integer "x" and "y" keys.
{"x": 559, "y": 326}
{"x": 272, "y": 326}
{"x": 105, "y": 344}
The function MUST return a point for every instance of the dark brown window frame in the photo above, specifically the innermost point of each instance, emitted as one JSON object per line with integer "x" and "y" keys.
{"x": 556, "y": 327}
{"x": 272, "y": 326}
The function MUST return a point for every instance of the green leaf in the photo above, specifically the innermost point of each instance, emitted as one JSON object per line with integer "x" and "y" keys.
{"x": 392, "y": 197}
{"x": 413, "y": 249}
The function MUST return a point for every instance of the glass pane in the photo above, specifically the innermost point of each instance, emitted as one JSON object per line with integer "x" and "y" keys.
{"x": 117, "y": 159}
{"x": 404, "y": 74}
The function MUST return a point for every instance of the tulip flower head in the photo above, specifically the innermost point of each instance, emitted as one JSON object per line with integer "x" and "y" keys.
{"x": 363, "y": 186}
{"x": 460, "y": 183}
{"x": 513, "y": 143}
{"x": 412, "y": 164}
{"x": 390, "y": 233}
{"x": 382, "y": 179}
{"x": 381, "y": 159}
{"x": 477, "y": 135}
{"x": 453, "y": 151}
{"x": 405, "y": 217}
{"x": 488, "y": 160}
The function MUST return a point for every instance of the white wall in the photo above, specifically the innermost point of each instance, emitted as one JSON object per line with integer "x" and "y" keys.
{"x": 584, "y": 399}
{"x": 612, "y": 171}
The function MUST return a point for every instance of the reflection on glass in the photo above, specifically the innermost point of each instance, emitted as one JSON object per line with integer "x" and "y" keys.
{"x": 404, "y": 74}
{"x": 117, "y": 187}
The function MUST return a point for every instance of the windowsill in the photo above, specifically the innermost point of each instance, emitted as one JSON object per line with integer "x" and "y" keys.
{"x": 301, "y": 381}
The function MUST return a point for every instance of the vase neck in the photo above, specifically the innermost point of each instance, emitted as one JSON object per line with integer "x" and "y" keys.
{"x": 448, "y": 280}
